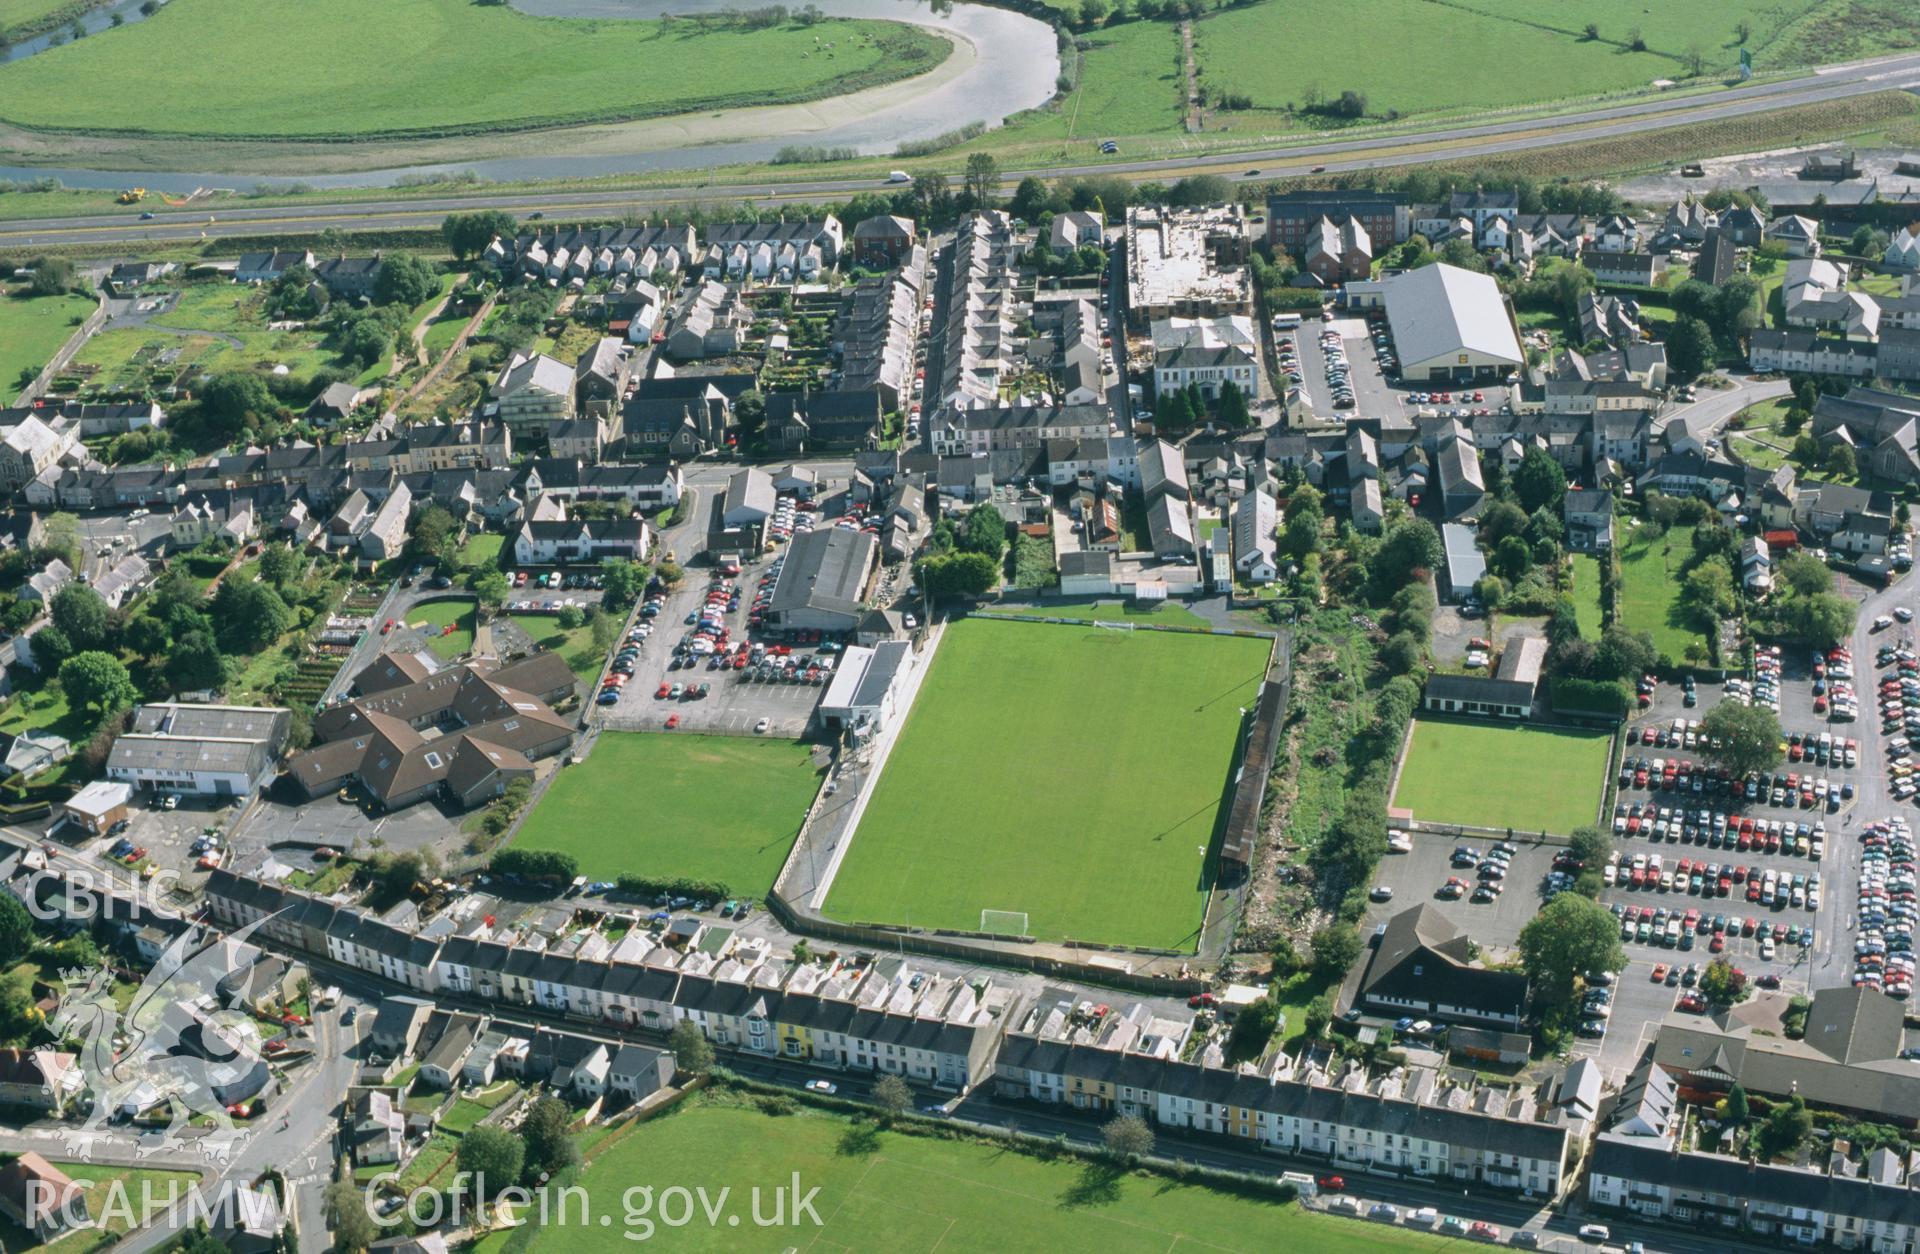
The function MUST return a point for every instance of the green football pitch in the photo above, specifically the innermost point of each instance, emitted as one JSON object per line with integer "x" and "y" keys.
{"x": 1074, "y": 775}
{"x": 1534, "y": 779}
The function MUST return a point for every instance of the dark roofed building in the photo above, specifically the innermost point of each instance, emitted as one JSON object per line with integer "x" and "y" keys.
{"x": 824, "y": 581}
{"x": 1421, "y": 967}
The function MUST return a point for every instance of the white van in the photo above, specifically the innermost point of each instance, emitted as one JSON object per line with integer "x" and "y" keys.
{"x": 899, "y": 176}
{"x": 1302, "y": 1182}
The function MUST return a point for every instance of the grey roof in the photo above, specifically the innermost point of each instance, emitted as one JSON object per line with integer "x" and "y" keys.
{"x": 825, "y": 569}
{"x": 1441, "y": 310}
{"x": 751, "y": 489}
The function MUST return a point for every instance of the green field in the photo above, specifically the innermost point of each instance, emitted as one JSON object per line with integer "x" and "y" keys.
{"x": 1503, "y": 775}
{"x": 114, "y": 1197}
{"x": 1586, "y": 595}
{"x": 31, "y": 332}
{"x": 434, "y": 616}
{"x": 721, "y": 808}
{"x": 1072, "y": 773}
{"x": 887, "y": 1191}
{"x": 436, "y": 67}
{"x": 574, "y": 647}
{"x": 1650, "y": 585}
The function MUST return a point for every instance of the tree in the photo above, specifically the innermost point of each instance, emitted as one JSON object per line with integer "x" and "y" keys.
{"x": 1539, "y": 481}
{"x": 1690, "y": 348}
{"x": 1511, "y": 559}
{"x": 891, "y": 1094}
{"x": 1127, "y": 1136}
{"x": 571, "y": 616}
{"x": 1623, "y": 654}
{"x": 958, "y": 575}
{"x": 984, "y": 531}
{"x": 346, "y": 1206}
{"x": 1747, "y": 736}
{"x": 279, "y": 564}
{"x": 1695, "y": 60}
{"x": 1413, "y": 545}
{"x": 16, "y": 930}
{"x": 146, "y": 636}
{"x": 1592, "y": 845}
{"x": 51, "y": 276}
{"x": 432, "y": 532}
{"x": 97, "y": 683}
{"x": 1173, "y": 411}
{"x": 982, "y": 181}
{"x": 405, "y": 279}
{"x": 1403, "y": 652}
{"x": 366, "y": 341}
{"x": 1499, "y": 520}
{"x": 623, "y": 581}
{"x": 492, "y": 1157}
{"x": 1722, "y": 984}
{"x": 604, "y": 627}
{"x": 1232, "y": 408}
{"x": 399, "y": 872}
{"x": 468, "y": 234}
{"x": 80, "y": 612}
{"x": 1822, "y": 621}
{"x": 1784, "y": 1130}
{"x": 1707, "y": 595}
{"x": 249, "y": 616}
{"x": 1737, "y": 1111}
{"x": 692, "y": 1051}
{"x": 550, "y": 1144}
{"x": 1253, "y": 1028}
{"x": 490, "y": 586}
{"x": 750, "y": 413}
{"x": 196, "y": 663}
{"x": 1568, "y": 938}
{"x": 1840, "y": 462}
{"x": 1805, "y": 575}
{"x": 1030, "y": 199}
{"x": 234, "y": 403}
{"x": 1336, "y": 947}
{"x": 549, "y": 865}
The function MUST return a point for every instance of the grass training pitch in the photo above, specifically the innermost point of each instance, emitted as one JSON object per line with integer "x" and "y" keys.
{"x": 32, "y": 329}
{"x": 437, "y": 67}
{"x": 717, "y": 808}
{"x": 886, "y": 1190}
{"x": 1499, "y": 775}
{"x": 1649, "y": 593}
{"x": 1073, "y": 773}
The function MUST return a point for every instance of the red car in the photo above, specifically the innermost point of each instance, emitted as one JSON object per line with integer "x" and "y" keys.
{"x": 673, "y": 721}
{"x": 1484, "y": 1231}
{"x": 662, "y": 691}
{"x": 1331, "y": 1184}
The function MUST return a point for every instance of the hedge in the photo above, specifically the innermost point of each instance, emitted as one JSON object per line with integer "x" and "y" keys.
{"x": 654, "y": 886}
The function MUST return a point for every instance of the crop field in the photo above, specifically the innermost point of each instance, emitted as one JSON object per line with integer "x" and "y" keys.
{"x": 32, "y": 329}
{"x": 1072, "y": 773}
{"x": 1650, "y": 585}
{"x": 1487, "y": 774}
{"x": 427, "y": 67}
{"x": 717, "y": 808}
{"x": 214, "y": 327}
{"x": 886, "y": 1190}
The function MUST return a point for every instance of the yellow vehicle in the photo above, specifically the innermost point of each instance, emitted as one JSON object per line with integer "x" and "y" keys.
{"x": 133, "y": 195}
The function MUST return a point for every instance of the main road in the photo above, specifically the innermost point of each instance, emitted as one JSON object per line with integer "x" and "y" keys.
{"x": 1837, "y": 82}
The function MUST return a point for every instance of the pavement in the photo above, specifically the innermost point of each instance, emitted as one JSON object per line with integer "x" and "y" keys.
{"x": 1834, "y": 82}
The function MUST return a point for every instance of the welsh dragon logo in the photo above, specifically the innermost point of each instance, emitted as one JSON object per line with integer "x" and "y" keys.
{"x": 176, "y": 1045}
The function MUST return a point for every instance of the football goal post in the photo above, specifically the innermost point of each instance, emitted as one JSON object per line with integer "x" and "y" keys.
{"x": 1004, "y": 922}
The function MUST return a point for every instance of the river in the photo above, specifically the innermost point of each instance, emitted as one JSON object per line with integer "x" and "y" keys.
{"x": 1011, "y": 64}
